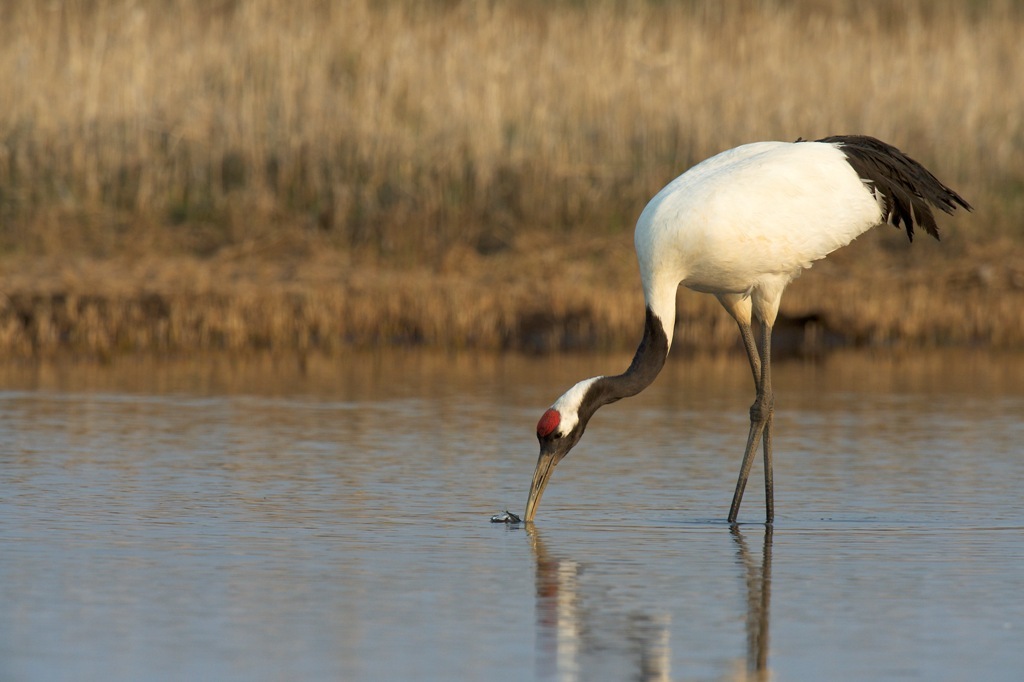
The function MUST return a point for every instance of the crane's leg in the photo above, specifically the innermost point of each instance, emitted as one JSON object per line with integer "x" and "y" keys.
{"x": 755, "y": 432}
{"x": 748, "y": 344}
{"x": 766, "y": 384}
{"x": 761, "y": 413}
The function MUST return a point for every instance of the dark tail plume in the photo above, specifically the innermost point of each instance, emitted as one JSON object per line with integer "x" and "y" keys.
{"x": 907, "y": 189}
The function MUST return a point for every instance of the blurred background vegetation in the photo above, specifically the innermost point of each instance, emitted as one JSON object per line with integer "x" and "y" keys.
{"x": 410, "y": 126}
{"x": 414, "y": 138}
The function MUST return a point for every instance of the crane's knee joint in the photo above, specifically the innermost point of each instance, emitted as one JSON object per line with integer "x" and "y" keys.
{"x": 762, "y": 409}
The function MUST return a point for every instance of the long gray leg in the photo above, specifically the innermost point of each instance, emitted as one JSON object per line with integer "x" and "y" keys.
{"x": 748, "y": 345}
{"x": 768, "y": 414}
{"x": 761, "y": 413}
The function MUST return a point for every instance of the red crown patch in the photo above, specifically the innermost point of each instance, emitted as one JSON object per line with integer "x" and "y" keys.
{"x": 548, "y": 423}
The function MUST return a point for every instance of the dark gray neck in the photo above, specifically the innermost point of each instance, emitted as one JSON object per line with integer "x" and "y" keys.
{"x": 647, "y": 363}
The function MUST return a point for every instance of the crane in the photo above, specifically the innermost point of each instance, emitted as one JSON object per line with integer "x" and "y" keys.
{"x": 742, "y": 225}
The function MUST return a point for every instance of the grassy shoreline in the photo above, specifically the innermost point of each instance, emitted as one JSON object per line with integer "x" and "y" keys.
{"x": 539, "y": 296}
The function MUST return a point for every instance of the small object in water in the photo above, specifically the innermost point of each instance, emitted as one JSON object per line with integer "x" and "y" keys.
{"x": 506, "y": 517}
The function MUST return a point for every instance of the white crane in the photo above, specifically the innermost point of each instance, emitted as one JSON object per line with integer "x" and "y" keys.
{"x": 742, "y": 225}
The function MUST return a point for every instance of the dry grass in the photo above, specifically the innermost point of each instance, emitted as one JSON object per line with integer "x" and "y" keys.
{"x": 327, "y": 303}
{"x": 413, "y": 126}
{"x": 438, "y": 155}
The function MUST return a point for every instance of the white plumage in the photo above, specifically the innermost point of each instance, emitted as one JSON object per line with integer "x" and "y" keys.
{"x": 746, "y": 222}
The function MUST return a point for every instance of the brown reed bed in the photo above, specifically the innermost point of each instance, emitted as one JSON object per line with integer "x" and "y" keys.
{"x": 523, "y": 299}
{"x": 277, "y": 175}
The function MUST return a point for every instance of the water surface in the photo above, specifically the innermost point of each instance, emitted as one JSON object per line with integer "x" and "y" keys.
{"x": 271, "y": 521}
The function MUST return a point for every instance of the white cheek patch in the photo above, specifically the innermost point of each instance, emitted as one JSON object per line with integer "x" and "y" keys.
{"x": 569, "y": 405}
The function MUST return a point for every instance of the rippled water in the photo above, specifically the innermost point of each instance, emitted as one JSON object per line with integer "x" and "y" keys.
{"x": 266, "y": 521}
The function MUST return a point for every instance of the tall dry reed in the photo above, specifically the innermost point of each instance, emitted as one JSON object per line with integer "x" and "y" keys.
{"x": 409, "y": 127}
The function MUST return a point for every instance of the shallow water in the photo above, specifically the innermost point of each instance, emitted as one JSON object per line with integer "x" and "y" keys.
{"x": 265, "y": 521}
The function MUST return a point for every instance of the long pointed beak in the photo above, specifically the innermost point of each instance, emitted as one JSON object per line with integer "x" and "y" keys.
{"x": 541, "y": 475}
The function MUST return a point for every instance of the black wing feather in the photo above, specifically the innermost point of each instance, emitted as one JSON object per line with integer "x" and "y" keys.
{"x": 907, "y": 189}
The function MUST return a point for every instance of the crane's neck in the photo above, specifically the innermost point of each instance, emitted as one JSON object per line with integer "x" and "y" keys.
{"x": 579, "y": 403}
{"x": 647, "y": 363}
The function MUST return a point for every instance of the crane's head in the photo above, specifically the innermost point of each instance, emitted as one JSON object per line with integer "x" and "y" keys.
{"x": 561, "y": 426}
{"x": 558, "y": 430}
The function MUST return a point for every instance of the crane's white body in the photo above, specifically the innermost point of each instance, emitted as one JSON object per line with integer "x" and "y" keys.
{"x": 743, "y": 224}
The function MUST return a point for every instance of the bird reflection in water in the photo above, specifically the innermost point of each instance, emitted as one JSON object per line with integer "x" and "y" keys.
{"x": 759, "y": 596}
{"x": 575, "y": 642}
